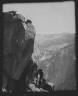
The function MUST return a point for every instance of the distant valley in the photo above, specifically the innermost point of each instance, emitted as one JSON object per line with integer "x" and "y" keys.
{"x": 55, "y": 53}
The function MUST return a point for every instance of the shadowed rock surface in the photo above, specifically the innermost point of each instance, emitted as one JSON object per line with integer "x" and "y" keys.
{"x": 18, "y": 66}
{"x": 17, "y": 48}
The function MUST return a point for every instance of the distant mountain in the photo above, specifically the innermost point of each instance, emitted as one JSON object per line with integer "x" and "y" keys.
{"x": 55, "y": 53}
{"x": 61, "y": 68}
{"x": 51, "y": 42}
{"x": 54, "y": 39}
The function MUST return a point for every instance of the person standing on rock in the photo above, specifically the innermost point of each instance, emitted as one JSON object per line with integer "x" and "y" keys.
{"x": 30, "y": 28}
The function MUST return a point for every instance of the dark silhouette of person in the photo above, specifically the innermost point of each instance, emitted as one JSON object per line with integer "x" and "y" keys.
{"x": 44, "y": 85}
{"x": 39, "y": 76}
{"x": 41, "y": 82}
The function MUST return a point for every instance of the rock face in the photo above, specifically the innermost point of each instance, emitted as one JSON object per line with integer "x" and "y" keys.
{"x": 18, "y": 67}
{"x": 17, "y": 48}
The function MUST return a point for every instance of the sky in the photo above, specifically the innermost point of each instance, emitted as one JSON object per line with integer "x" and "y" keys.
{"x": 48, "y": 18}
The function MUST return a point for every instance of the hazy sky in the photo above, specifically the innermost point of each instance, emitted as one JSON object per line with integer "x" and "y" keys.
{"x": 47, "y": 17}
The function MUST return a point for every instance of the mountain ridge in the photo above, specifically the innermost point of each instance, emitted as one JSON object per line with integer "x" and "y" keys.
{"x": 56, "y": 59}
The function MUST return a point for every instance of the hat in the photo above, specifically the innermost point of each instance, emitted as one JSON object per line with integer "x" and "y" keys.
{"x": 28, "y": 21}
